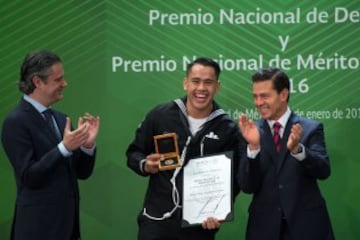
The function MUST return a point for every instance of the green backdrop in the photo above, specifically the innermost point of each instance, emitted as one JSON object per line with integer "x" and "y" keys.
{"x": 121, "y": 58}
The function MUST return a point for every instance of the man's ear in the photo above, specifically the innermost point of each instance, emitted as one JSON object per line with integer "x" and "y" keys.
{"x": 284, "y": 94}
{"x": 36, "y": 81}
{"x": 218, "y": 85}
{"x": 185, "y": 83}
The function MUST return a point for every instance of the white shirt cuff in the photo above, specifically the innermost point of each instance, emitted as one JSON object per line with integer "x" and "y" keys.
{"x": 301, "y": 155}
{"x": 252, "y": 153}
{"x": 63, "y": 150}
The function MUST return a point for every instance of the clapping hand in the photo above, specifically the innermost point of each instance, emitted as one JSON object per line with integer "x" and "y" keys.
{"x": 93, "y": 128}
{"x": 250, "y": 132}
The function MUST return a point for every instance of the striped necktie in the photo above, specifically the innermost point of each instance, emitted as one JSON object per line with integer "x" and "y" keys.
{"x": 48, "y": 113}
{"x": 276, "y": 136}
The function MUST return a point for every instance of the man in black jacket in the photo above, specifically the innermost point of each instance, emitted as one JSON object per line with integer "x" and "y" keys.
{"x": 47, "y": 155}
{"x": 202, "y": 128}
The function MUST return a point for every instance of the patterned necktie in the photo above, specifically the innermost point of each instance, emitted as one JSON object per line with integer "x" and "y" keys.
{"x": 48, "y": 113}
{"x": 276, "y": 136}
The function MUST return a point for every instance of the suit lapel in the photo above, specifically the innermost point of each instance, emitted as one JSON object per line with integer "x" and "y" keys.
{"x": 284, "y": 153}
{"x": 268, "y": 145}
{"x": 38, "y": 120}
{"x": 267, "y": 142}
{"x": 60, "y": 121}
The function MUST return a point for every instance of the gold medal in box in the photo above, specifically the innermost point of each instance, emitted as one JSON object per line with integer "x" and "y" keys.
{"x": 167, "y": 145}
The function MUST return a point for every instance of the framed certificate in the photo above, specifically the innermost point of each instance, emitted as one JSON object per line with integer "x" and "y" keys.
{"x": 167, "y": 145}
{"x": 207, "y": 189}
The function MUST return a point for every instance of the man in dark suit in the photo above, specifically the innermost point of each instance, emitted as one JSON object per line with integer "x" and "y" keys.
{"x": 47, "y": 155}
{"x": 283, "y": 166}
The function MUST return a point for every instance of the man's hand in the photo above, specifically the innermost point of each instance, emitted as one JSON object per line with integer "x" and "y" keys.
{"x": 211, "y": 223}
{"x": 152, "y": 163}
{"x": 293, "y": 143}
{"x": 93, "y": 128}
{"x": 76, "y": 138}
{"x": 250, "y": 132}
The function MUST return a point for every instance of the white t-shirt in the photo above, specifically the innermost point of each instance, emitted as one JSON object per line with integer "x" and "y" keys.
{"x": 196, "y": 124}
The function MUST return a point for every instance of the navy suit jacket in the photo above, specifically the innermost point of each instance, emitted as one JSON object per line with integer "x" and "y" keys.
{"x": 285, "y": 188}
{"x": 47, "y": 198}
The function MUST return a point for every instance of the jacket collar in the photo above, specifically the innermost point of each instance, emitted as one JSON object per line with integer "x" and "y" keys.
{"x": 217, "y": 111}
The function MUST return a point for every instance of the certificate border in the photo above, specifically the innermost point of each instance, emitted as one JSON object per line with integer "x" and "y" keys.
{"x": 230, "y": 216}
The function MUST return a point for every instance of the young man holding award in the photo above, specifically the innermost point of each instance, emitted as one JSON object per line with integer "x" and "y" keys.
{"x": 174, "y": 136}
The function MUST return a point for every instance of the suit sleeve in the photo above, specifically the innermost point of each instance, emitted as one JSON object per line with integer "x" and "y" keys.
{"x": 316, "y": 163}
{"x": 83, "y": 164}
{"x": 250, "y": 175}
{"x": 141, "y": 146}
{"x": 32, "y": 166}
{"x": 236, "y": 144}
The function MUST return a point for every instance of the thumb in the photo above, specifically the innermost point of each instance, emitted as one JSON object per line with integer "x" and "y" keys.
{"x": 80, "y": 122}
{"x": 251, "y": 122}
{"x": 68, "y": 124}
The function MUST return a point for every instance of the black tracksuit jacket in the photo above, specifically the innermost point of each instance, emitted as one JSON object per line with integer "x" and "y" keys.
{"x": 171, "y": 117}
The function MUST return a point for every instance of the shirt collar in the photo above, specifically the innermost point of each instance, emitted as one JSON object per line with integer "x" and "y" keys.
{"x": 282, "y": 120}
{"x": 38, "y": 106}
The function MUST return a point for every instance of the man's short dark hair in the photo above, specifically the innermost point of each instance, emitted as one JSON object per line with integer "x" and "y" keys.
{"x": 208, "y": 62}
{"x": 36, "y": 63}
{"x": 279, "y": 79}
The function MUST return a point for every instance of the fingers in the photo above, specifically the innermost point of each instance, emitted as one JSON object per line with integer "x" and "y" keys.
{"x": 82, "y": 128}
{"x": 297, "y": 129}
{"x": 296, "y": 132}
{"x": 85, "y": 133}
{"x": 80, "y": 121}
{"x": 93, "y": 124}
{"x": 152, "y": 163}
{"x": 67, "y": 125}
{"x": 294, "y": 137}
{"x": 91, "y": 119}
{"x": 74, "y": 139}
{"x": 211, "y": 223}
{"x": 243, "y": 121}
{"x": 242, "y": 118}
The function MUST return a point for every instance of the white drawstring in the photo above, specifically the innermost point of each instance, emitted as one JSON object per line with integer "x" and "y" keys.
{"x": 210, "y": 135}
{"x": 175, "y": 192}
